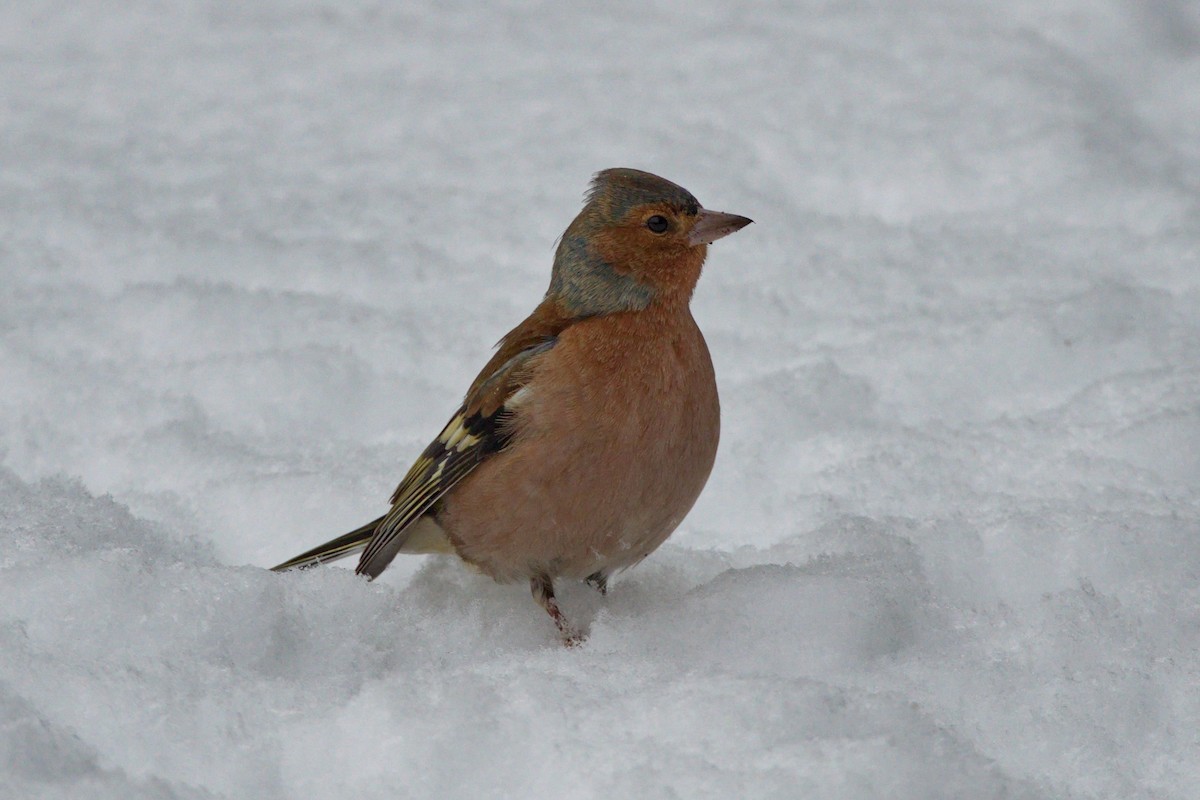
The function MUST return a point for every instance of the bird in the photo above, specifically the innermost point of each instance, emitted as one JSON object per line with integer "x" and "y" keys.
{"x": 590, "y": 433}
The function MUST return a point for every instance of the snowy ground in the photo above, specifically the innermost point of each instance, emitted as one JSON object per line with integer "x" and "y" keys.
{"x": 251, "y": 254}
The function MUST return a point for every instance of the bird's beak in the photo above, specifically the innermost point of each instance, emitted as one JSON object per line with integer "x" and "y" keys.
{"x": 712, "y": 225}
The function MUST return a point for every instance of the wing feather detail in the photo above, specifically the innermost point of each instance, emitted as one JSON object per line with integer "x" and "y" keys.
{"x": 479, "y": 429}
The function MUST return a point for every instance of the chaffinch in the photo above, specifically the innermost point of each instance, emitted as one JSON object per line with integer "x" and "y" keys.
{"x": 590, "y": 433}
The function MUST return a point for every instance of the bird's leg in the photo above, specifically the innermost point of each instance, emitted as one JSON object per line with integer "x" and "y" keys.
{"x": 542, "y": 587}
{"x": 599, "y": 582}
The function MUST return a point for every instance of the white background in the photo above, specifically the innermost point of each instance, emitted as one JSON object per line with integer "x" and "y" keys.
{"x": 252, "y": 253}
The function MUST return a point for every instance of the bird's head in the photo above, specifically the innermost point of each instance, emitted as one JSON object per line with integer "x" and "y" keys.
{"x": 639, "y": 239}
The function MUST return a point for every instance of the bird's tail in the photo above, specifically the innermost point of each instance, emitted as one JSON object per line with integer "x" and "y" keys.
{"x": 345, "y": 545}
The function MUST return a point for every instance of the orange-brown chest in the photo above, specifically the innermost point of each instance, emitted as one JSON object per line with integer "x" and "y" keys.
{"x": 614, "y": 440}
{"x": 639, "y": 382}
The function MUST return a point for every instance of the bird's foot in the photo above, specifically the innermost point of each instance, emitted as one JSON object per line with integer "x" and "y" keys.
{"x": 542, "y": 588}
{"x": 599, "y": 582}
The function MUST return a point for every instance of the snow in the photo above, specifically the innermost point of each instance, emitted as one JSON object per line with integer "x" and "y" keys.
{"x": 252, "y": 254}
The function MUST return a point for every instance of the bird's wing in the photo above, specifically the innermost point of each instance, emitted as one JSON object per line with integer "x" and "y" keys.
{"x": 477, "y": 430}
{"x": 345, "y": 545}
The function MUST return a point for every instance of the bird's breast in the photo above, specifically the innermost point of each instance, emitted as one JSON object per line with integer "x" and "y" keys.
{"x": 614, "y": 438}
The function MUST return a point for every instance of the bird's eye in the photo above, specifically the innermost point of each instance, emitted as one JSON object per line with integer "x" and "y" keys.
{"x": 657, "y": 223}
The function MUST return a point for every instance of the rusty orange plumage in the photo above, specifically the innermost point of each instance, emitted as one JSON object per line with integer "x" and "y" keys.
{"x": 590, "y": 433}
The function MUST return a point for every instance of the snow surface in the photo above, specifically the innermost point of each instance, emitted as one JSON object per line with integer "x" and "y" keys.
{"x": 252, "y": 254}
